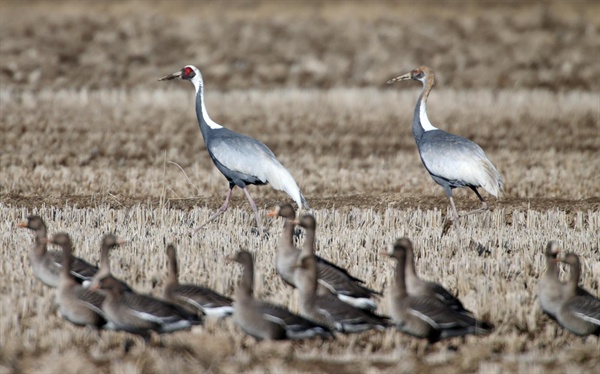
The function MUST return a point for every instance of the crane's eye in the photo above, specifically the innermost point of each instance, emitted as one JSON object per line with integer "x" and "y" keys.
{"x": 417, "y": 73}
{"x": 188, "y": 73}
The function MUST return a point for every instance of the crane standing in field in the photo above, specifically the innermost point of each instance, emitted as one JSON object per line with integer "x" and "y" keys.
{"x": 451, "y": 160}
{"x": 241, "y": 159}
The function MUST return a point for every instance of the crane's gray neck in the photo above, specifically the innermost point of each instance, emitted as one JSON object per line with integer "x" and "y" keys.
{"x": 206, "y": 123}
{"x": 421, "y": 122}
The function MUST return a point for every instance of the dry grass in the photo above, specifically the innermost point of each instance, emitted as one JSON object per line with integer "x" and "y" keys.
{"x": 92, "y": 142}
{"x": 494, "y": 269}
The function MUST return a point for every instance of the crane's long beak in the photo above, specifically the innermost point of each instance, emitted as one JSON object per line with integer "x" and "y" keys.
{"x": 172, "y": 76}
{"x": 404, "y": 77}
{"x": 22, "y": 224}
{"x": 121, "y": 241}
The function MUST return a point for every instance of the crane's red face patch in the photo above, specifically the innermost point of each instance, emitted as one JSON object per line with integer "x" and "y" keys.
{"x": 187, "y": 73}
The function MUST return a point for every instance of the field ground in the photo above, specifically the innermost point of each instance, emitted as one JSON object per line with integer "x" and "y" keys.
{"x": 90, "y": 140}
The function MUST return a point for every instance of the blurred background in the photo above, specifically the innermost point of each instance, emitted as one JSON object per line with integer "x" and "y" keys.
{"x": 316, "y": 44}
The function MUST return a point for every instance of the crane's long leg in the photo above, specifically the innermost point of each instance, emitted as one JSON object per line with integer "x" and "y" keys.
{"x": 219, "y": 211}
{"x": 484, "y": 205}
{"x": 455, "y": 215}
{"x": 260, "y": 228}
{"x": 450, "y": 220}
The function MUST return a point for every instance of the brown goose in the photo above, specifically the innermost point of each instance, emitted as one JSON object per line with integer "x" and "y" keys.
{"x": 46, "y": 264}
{"x": 415, "y": 286}
{"x": 109, "y": 241}
{"x": 197, "y": 297}
{"x": 331, "y": 277}
{"x": 550, "y": 286}
{"x": 425, "y": 316}
{"x": 326, "y": 308}
{"x": 76, "y": 304}
{"x": 287, "y": 253}
{"x": 551, "y": 289}
{"x": 263, "y": 320}
{"x": 141, "y": 314}
{"x": 578, "y": 313}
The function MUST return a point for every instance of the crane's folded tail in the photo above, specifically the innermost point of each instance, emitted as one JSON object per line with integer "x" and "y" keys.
{"x": 493, "y": 181}
{"x": 303, "y": 199}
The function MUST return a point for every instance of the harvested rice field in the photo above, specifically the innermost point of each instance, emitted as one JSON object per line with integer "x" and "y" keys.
{"x": 94, "y": 143}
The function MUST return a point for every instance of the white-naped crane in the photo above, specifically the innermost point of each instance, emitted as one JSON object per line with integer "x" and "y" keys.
{"x": 241, "y": 159}
{"x": 451, "y": 160}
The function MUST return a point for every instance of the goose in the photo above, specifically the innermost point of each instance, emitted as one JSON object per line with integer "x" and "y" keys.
{"x": 579, "y": 313}
{"x": 141, "y": 314}
{"x": 426, "y": 316}
{"x": 332, "y": 278}
{"x": 326, "y": 308}
{"x": 109, "y": 242}
{"x": 46, "y": 264}
{"x": 263, "y": 320}
{"x": 415, "y": 286}
{"x": 550, "y": 286}
{"x": 203, "y": 299}
{"x": 76, "y": 304}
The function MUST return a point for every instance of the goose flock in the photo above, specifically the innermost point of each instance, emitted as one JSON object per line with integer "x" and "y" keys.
{"x": 331, "y": 301}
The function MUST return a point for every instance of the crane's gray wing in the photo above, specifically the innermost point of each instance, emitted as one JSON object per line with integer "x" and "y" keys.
{"x": 245, "y": 155}
{"x": 241, "y": 153}
{"x": 455, "y": 158}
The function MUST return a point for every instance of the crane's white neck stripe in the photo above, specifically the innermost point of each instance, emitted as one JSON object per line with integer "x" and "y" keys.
{"x": 212, "y": 124}
{"x": 197, "y": 81}
{"x": 427, "y": 126}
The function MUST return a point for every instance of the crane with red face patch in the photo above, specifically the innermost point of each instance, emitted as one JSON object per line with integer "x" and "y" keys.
{"x": 241, "y": 159}
{"x": 451, "y": 160}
